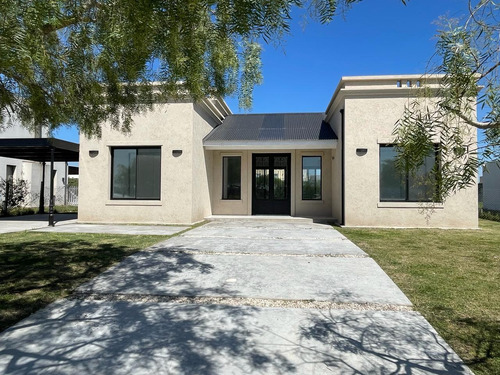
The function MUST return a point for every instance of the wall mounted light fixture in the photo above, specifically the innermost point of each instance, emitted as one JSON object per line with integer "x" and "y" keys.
{"x": 361, "y": 151}
{"x": 176, "y": 153}
{"x": 93, "y": 153}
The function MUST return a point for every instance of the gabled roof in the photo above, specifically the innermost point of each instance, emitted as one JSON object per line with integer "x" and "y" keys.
{"x": 272, "y": 127}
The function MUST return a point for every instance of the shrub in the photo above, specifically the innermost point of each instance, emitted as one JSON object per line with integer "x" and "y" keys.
{"x": 489, "y": 215}
{"x": 18, "y": 193}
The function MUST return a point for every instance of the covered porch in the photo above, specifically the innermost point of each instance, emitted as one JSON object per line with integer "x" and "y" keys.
{"x": 273, "y": 164}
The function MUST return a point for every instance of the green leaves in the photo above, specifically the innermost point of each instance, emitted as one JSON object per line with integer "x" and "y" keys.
{"x": 91, "y": 61}
{"x": 446, "y": 112}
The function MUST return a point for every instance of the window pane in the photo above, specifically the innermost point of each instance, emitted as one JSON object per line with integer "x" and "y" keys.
{"x": 311, "y": 177}
{"x": 279, "y": 184}
{"x": 392, "y": 182}
{"x": 262, "y": 161}
{"x": 124, "y": 173}
{"x": 262, "y": 183}
{"x": 231, "y": 175}
{"x": 148, "y": 173}
{"x": 422, "y": 184}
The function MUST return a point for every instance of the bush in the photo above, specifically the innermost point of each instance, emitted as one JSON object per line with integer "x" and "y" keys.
{"x": 18, "y": 193}
{"x": 489, "y": 215}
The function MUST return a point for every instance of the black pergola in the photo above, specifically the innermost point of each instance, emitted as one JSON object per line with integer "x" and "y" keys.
{"x": 41, "y": 150}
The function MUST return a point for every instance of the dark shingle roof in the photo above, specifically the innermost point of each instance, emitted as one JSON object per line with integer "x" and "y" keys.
{"x": 272, "y": 126}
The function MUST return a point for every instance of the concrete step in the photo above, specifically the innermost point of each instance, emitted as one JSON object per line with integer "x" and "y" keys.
{"x": 273, "y": 218}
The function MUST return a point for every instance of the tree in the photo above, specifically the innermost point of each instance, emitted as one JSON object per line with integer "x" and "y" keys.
{"x": 88, "y": 61}
{"x": 469, "y": 57}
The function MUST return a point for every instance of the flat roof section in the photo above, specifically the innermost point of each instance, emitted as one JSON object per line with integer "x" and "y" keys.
{"x": 39, "y": 149}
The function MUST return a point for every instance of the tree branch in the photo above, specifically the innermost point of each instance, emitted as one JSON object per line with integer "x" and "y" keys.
{"x": 71, "y": 20}
{"x": 476, "y": 124}
{"x": 490, "y": 69}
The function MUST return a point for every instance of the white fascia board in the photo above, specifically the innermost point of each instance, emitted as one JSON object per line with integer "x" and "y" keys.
{"x": 271, "y": 145}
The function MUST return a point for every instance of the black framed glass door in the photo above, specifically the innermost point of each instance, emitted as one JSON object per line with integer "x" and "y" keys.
{"x": 271, "y": 184}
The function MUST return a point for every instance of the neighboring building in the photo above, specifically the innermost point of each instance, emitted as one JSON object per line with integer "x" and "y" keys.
{"x": 185, "y": 161}
{"x": 31, "y": 171}
{"x": 491, "y": 186}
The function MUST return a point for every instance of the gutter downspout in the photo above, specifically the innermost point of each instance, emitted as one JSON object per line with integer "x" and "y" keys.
{"x": 342, "y": 137}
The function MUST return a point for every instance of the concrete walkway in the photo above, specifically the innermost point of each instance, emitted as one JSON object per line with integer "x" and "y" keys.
{"x": 29, "y": 222}
{"x": 234, "y": 298}
{"x": 157, "y": 230}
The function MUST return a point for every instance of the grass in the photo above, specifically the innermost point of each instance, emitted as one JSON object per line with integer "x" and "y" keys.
{"x": 38, "y": 268}
{"x": 453, "y": 279}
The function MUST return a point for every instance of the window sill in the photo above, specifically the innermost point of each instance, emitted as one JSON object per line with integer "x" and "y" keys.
{"x": 410, "y": 205}
{"x": 133, "y": 203}
{"x": 317, "y": 201}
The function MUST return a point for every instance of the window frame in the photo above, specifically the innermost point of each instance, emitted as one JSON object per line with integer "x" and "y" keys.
{"x": 223, "y": 175}
{"x": 136, "y": 148}
{"x": 407, "y": 179}
{"x": 321, "y": 178}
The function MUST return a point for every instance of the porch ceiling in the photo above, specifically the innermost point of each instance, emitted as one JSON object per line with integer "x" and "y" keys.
{"x": 271, "y": 145}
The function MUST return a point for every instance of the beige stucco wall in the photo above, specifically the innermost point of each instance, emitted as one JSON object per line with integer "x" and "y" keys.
{"x": 336, "y": 168}
{"x": 171, "y": 126}
{"x": 317, "y": 209}
{"x": 369, "y": 121}
{"x": 202, "y": 163}
{"x": 491, "y": 187}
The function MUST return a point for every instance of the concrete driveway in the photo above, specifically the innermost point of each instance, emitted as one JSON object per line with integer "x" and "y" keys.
{"x": 234, "y": 298}
{"x": 30, "y": 222}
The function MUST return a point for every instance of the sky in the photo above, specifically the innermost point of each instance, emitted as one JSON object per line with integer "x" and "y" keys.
{"x": 374, "y": 37}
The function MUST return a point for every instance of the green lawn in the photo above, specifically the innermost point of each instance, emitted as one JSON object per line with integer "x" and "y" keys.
{"x": 453, "y": 279}
{"x": 39, "y": 268}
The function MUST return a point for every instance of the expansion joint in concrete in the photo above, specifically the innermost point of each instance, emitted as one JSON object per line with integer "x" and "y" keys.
{"x": 240, "y": 301}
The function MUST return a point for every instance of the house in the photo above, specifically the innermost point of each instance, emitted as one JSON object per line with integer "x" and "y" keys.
{"x": 491, "y": 186}
{"x": 186, "y": 161}
{"x": 31, "y": 171}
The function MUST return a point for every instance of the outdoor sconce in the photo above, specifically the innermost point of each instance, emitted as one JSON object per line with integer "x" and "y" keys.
{"x": 93, "y": 153}
{"x": 361, "y": 151}
{"x": 176, "y": 153}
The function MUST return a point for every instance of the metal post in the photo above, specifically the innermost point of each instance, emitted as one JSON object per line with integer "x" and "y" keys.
{"x": 41, "y": 206}
{"x": 65, "y": 183}
{"x": 51, "y": 205}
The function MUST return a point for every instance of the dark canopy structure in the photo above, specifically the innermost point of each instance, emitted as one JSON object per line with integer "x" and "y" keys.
{"x": 41, "y": 150}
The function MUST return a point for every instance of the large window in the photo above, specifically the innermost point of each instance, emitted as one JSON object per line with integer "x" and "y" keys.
{"x": 136, "y": 173}
{"x": 311, "y": 177}
{"x": 231, "y": 177}
{"x": 404, "y": 186}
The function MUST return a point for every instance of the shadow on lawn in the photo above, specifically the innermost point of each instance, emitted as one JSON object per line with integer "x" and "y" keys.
{"x": 35, "y": 273}
{"x": 485, "y": 342}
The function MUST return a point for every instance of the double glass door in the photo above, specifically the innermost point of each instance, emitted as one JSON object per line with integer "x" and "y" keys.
{"x": 271, "y": 184}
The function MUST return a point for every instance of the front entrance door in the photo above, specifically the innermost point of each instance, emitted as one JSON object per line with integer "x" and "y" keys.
{"x": 271, "y": 184}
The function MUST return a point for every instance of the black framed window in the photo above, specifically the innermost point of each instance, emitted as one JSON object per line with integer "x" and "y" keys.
{"x": 231, "y": 177}
{"x": 136, "y": 173}
{"x": 398, "y": 186}
{"x": 311, "y": 177}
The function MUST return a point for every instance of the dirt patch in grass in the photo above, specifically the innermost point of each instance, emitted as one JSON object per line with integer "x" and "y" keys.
{"x": 452, "y": 277}
{"x": 38, "y": 268}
